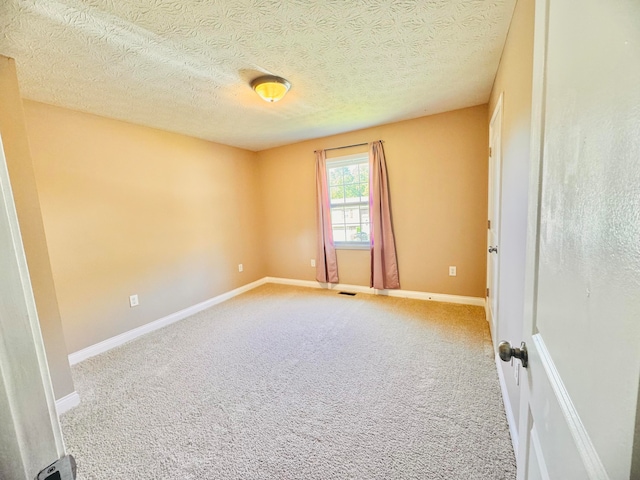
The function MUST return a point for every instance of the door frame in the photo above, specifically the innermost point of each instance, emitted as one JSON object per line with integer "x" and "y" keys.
{"x": 533, "y": 222}
{"x": 32, "y": 436}
{"x": 493, "y": 316}
{"x": 495, "y": 152}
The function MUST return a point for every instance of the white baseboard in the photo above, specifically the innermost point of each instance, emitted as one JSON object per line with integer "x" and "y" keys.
{"x": 125, "y": 337}
{"x": 73, "y": 399}
{"x": 67, "y": 402}
{"x": 511, "y": 419}
{"x": 437, "y": 297}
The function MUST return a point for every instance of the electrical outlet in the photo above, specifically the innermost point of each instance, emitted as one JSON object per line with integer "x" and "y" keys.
{"x": 133, "y": 301}
{"x": 313, "y": 262}
{"x": 516, "y": 373}
{"x": 240, "y": 267}
{"x": 452, "y": 271}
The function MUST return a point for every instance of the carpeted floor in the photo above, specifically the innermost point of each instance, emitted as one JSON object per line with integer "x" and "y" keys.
{"x": 293, "y": 383}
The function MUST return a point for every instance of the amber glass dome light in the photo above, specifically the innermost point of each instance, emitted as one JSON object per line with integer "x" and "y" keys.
{"x": 270, "y": 88}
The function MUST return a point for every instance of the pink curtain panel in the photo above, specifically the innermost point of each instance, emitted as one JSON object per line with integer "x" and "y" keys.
{"x": 326, "y": 264}
{"x": 384, "y": 264}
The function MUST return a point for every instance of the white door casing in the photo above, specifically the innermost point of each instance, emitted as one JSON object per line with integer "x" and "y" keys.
{"x": 31, "y": 438}
{"x": 579, "y": 400}
{"x": 493, "y": 227}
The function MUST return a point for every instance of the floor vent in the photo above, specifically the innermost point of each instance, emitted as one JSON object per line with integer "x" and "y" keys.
{"x": 347, "y": 293}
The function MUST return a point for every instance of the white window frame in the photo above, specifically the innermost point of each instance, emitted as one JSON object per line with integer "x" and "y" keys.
{"x": 344, "y": 161}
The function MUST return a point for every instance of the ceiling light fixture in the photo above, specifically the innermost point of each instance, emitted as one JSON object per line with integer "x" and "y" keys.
{"x": 270, "y": 88}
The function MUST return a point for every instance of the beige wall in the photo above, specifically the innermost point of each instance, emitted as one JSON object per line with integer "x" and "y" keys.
{"x": 134, "y": 210}
{"x": 513, "y": 81}
{"x": 23, "y": 184}
{"x": 437, "y": 169}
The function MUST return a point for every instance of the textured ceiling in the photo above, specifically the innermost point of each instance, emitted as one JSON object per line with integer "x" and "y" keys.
{"x": 185, "y": 65}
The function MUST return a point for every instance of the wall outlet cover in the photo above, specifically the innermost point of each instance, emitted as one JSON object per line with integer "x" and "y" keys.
{"x": 133, "y": 301}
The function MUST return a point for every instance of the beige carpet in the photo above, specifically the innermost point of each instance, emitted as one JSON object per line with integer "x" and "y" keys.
{"x": 294, "y": 383}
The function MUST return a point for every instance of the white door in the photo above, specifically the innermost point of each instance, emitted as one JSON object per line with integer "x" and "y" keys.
{"x": 30, "y": 437}
{"x": 582, "y": 298}
{"x": 493, "y": 225}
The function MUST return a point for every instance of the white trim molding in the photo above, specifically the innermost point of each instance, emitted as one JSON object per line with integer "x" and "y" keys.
{"x": 436, "y": 297}
{"x": 537, "y": 456}
{"x": 584, "y": 445}
{"x": 67, "y": 402}
{"x": 108, "y": 344}
{"x": 125, "y": 337}
{"x": 508, "y": 409}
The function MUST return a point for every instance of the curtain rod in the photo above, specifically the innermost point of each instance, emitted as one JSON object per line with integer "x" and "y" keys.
{"x": 348, "y": 146}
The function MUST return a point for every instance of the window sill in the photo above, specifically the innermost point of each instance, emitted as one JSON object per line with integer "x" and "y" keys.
{"x": 351, "y": 246}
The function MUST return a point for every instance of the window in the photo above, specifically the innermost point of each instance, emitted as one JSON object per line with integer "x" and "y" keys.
{"x": 348, "y": 181}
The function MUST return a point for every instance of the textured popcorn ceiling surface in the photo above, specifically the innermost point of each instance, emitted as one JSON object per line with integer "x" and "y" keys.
{"x": 185, "y": 65}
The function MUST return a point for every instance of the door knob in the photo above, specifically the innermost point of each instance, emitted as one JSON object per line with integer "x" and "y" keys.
{"x": 506, "y": 352}
{"x": 493, "y": 249}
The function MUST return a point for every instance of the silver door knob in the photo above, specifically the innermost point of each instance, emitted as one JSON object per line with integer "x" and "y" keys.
{"x": 493, "y": 249}
{"x": 506, "y": 352}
